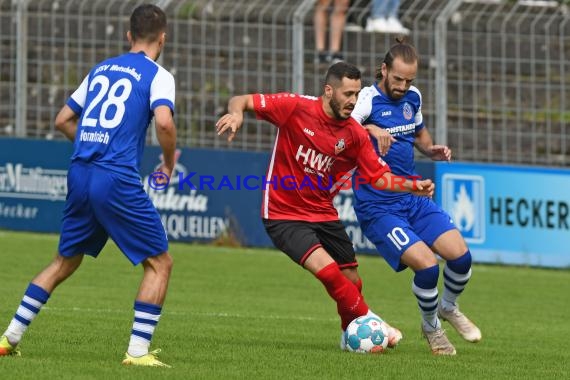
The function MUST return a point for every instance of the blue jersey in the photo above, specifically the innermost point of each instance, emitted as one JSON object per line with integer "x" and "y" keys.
{"x": 116, "y": 101}
{"x": 403, "y": 119}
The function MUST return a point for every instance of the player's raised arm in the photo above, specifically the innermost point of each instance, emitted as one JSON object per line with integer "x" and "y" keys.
{"x": 233, "y": 120}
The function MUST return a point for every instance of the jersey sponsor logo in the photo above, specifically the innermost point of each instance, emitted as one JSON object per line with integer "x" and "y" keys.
{"x": 386, "y": 113}
{"x": 262, "y": 100}
{"x": 402, "y": 129}
{"x": 407, "y": 111}
{"x": 339, "y": 146}
{"x": 463, "y": 197}
{"x": 316, "y": 161}
{"x": 308, "y": 132}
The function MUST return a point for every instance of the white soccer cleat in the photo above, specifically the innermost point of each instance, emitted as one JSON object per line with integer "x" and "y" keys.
{"x": 343, "y": 341}
{"x": 394, "y": 336}
{"x": 438, "y": 342}
{"x": 461, "y": 323}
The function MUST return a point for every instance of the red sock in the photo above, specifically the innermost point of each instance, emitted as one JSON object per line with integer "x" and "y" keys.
{"x": 359, "y": 285}
{"x": 350, "y": 303}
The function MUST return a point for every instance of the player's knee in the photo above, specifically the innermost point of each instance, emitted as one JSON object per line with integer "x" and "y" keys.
{"x": 427, "y": 278}
{"x": 67, "y": 265}
{"x": 461, "y": 264}
{"x": 161, "y": 264}
{"x": 166, "y": 263}
{"x": 352, "y": 275}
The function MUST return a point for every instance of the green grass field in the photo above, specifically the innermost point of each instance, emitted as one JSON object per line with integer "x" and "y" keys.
{"x": 234, "y": 313}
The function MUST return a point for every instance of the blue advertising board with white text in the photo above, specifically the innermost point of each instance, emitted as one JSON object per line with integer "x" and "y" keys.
{"x": 509, "y": 214}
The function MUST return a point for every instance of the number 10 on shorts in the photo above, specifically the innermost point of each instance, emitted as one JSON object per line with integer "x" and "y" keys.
{"x": 398, "y": 237}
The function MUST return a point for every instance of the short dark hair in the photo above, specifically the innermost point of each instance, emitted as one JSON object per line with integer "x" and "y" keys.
{"x": 147, "y": 22}
{"x": 341, "y": 70}
{"x": 401, "y": 49}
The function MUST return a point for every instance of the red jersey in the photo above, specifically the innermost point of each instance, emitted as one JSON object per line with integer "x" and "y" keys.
{"x": 313, "y": 157}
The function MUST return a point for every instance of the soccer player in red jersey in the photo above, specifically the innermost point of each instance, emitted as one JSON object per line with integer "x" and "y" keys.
{"x": 318, "y": 146}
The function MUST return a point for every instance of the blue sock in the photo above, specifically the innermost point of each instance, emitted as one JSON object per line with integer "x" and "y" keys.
{"x": 424, "y": 287}
{"x": 146, "y": 319}
{"x": 31, "y": 304}
{"x": 455, "y": 277}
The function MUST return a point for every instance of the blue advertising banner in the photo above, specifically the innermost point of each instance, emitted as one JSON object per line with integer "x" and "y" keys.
{"x": 33, "y": 187}
{"x": 33, "y": 184}
{"x": 509, "y": 214}
{"x": 211, "y": 195}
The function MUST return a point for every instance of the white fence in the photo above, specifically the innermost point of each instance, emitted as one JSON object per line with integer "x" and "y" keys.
{"x": 495, "y": 75}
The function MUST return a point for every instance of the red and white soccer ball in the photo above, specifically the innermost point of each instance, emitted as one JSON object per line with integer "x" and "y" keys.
{"x": 366, "y": 334}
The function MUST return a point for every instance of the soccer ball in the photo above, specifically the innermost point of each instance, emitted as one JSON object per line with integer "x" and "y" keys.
{"x": 366, "y": 334}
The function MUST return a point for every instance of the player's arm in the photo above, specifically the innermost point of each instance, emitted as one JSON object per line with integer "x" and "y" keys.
{"x": 66, "y": 122}
{"x": 382, "y": 136}
{"x": 377, "y": 173}
{"x": 424, "y": 143}
{"x": 398, "y": 184}
{"x": 68, "y": 116}
{"x": 166, "y": 135}
{"x": 361, "y": 113}
{"x": 233, "y": 120}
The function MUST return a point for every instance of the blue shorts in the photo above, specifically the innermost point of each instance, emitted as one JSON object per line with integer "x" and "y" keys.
{"x": 102, "y": 204}
{"x": 395, "y": 227}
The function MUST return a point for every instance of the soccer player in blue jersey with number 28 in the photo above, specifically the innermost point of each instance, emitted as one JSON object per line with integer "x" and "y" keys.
{"x": 407, "y": 229}
{"x": 107, "y": 118}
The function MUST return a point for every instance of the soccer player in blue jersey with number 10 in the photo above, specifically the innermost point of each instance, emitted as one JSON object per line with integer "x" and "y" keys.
{"x": 407, "y": 229}
{"x": 107, "y": 118}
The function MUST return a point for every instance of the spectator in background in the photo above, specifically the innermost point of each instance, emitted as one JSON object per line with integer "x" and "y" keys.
{"x": 337, "y": 22}
{"x": 384, "y": 17}
{"x": 354, "y": 18}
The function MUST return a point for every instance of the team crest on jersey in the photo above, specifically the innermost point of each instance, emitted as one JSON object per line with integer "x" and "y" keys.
{"x": 339, "y": 146}
{"x": 408, "y": 112}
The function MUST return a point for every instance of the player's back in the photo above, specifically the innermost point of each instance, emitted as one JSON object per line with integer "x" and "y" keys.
{"x": 115, "y": 102}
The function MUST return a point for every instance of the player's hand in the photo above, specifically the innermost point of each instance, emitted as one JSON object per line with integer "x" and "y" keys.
{"x": 230, "y": 122}
{"x": 382, "y": 136}
{"x": 440, "y": 153}
{"x": 166, "y": 170}
{"x": 424, "y": 187}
